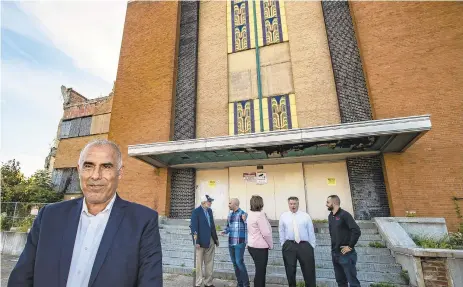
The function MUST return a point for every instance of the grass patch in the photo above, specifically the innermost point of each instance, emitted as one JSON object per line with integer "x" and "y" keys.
{"x": 452, "y": 241}
{"x": 218, "y": 228}
{"x": 320, "y": 221}
{"x": 405, "y": 276}
{"x": 382, "y": 284}
{"x": 376, "y": 244}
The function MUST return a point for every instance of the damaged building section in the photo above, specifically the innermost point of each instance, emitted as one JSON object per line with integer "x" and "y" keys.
{"x": 83, "y": 120}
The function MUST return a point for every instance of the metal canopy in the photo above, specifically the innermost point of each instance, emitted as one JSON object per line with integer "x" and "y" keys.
{"x": 297, "y": 145}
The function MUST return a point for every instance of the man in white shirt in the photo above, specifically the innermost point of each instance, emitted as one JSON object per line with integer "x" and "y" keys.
{"x": 97, "y": 240}
{"x": 297, "y": 238}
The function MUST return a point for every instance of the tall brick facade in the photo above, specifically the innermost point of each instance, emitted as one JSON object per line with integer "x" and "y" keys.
{"x": 143, "y": 100}
{"x": 365, "y": 174}
{"x": 412, "y": 53}
{"x": 353, "y": 62}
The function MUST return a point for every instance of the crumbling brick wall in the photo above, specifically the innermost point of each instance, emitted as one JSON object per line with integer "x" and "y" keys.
{"x": 435, "y": 272}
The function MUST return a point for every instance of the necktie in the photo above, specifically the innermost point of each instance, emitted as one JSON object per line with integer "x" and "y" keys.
{"x": 297, "y": 237}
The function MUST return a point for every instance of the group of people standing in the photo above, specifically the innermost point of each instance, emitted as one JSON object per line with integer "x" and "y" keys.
{"x": 252, "y": 231}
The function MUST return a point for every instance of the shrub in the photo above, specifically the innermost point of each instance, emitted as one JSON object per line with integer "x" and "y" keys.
{"x": 452, "y": 241}
{"x": 25, "y": 224}
{"x": 5, "y": 222}
{"x": 320, "y": 221}
{"x": 405, "y": 276}
{"x": 376, "y": 244}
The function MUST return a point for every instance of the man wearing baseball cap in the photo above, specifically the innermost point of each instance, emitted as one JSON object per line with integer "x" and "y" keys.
{"x": 205, "y": 236}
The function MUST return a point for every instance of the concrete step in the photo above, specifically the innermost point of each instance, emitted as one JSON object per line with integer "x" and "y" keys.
{"x": 320, "y": 236}
{"x": 276, "y": 258}
{"x": 277, "y": 265}
{"x": 281, "y": 278}
{"x": 276, "y": 244}
{"x": 223, "y": 249}
{"x": 363, "y": 224}
{"x": 320, "y": 229}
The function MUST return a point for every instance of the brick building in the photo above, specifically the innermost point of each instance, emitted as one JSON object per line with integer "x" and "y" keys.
{"x": 83, "y": 120}
{"x": 283, "y": 98}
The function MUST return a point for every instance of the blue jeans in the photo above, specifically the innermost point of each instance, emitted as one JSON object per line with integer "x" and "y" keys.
{"x": 345, "y": 270}
{"x": 237, "y": 258}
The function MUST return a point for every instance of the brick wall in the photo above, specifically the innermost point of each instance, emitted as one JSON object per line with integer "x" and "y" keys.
{"x": 92, "y": 107}
{"x": 142, "y": 103}
{"x": 68, "y": 150}
{"x": 434, "y": 272}
{"x": 413, "y": 60}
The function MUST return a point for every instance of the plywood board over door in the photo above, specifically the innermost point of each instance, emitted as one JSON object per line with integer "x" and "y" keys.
{"x": 283, "y": 181}
{"x": 323, "y": 180}
{"x": 215, "y": 184}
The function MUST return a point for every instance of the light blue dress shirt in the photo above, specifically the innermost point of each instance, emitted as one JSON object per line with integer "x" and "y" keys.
{"x": 88, "y": 238}
{"x": 305, "y": 226}
{"x": 206, "y": 213}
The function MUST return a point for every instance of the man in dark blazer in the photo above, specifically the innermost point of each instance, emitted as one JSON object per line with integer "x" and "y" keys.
{"x": 205, "y": 235}
{"x": 97, "y": 240}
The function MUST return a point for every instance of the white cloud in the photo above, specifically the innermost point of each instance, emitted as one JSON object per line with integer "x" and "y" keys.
{"x": 14, "y": 20}
{"x": 32, "y": 108}
{"x": 90, "y": 32}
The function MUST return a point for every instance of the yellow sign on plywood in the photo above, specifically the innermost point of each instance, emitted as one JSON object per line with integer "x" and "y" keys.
{"x": 212, "y": 183}
{"x": 331, "y": 181}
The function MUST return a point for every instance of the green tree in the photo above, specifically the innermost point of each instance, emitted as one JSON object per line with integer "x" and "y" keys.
{"x": 40, "y": 188}
{"x": 17, "y": 188}
{"x": 11, "y": 178}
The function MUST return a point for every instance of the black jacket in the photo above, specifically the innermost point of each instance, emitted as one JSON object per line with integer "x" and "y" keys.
{"x": 344, "y": 231}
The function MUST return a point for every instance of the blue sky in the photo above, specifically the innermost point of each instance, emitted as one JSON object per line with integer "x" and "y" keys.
{"x": 45, "y": 45}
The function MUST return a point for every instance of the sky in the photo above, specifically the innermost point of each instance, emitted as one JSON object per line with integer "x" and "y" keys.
{"x": 45, "y": 45}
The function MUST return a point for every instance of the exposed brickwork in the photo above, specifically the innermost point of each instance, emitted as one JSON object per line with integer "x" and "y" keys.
{"x": 92, "y": 107}
{"x": 434, "y": 272}
{"x": 142, "y": 104}
{"x": 68, "y": 150}
{"x": 413, "y": 59}
{"x": 366, "y": 178}
{"x": 369, "y": 197}
{"x": 75, "y": 97}
{"x": 183, "y": 181}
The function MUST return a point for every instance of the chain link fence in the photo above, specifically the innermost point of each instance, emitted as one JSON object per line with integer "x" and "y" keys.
{"x": 18, "y": 216}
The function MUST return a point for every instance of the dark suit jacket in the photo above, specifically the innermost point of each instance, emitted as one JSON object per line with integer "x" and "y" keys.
{"x": 129, "y": 253}
{"x": 200, "y": 226}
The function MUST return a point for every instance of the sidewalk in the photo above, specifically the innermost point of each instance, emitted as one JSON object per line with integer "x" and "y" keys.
{"x": 170, "y": 280}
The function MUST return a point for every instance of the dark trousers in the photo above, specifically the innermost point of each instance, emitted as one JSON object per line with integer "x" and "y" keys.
{"x": 237, "y": 258}
{"x": 344, "y": 269}
{"x": 260, "y": 257}
{"x": 304, "y": 253}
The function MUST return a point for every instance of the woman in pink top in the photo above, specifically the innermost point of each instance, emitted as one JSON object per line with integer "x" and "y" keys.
{"x": 259, "y": 239}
